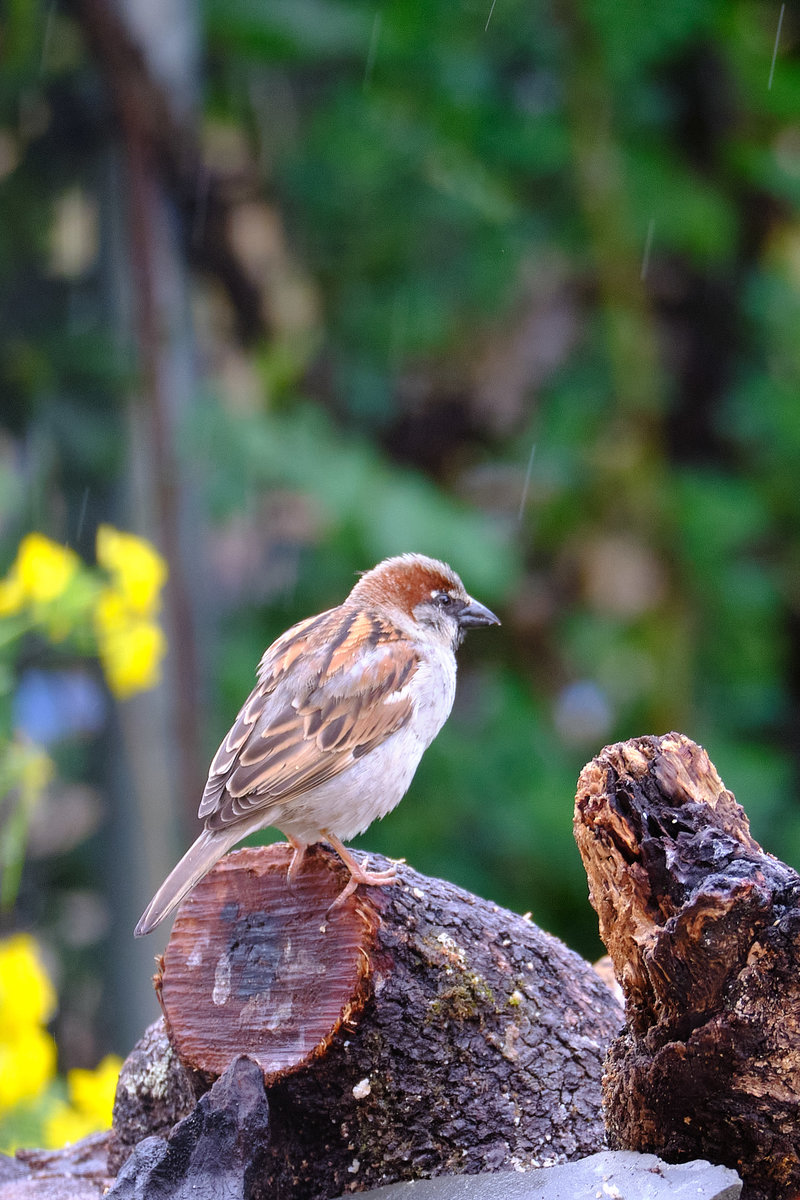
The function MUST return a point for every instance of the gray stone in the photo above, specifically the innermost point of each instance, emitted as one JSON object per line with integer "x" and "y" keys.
{"x": 610, "y": 1175}
{"x": 215, "y": 1153}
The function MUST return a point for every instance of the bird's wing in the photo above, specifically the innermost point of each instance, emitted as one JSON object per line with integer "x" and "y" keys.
{"x": 312, "y": 713}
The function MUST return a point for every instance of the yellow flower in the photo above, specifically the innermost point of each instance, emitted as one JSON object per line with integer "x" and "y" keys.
{"x": 91, "y": 1095}
{"x": 138, "y": 570}
{"x": 64, "y": 1125}
{"x": 27, "y": 1065}
{"x": 44, "y": 568}
{"x": 131, "y": 647}
{"x": 92, "y": 1092}
{"x": 27, "y": 999}
{"x": 41, "y": 573}
{"x": 28, "y": 1054}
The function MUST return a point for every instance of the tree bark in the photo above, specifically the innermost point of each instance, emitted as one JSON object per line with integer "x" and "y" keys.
{"x": 704, "y": 930}
{"x": 413, "y": 1030}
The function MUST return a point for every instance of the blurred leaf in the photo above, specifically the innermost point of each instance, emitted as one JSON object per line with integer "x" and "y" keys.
{"x": 689, "y": 214}
{"x": 288, "y": 29}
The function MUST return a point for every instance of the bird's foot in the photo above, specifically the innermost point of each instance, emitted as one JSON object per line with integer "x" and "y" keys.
{"x": 358, "y": 871}
{"x": 297, "y": 860}
{"x": 370, "y": 878}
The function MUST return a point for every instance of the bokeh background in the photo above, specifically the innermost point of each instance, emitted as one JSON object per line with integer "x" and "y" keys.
{"x": 291, "y": 285}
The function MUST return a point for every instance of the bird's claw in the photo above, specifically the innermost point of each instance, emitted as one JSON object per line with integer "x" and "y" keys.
{"x": 369, "y": 878}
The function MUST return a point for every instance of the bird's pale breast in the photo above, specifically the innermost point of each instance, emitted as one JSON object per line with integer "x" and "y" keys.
{"x": 376, "y": 783}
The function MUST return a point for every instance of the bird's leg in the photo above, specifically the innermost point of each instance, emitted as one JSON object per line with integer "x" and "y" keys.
{"x": 297, "y": 859}
{"x": 358, "y": 872}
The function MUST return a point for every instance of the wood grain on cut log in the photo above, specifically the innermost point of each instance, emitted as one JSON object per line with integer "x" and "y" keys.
{"x": 704, "y": 930}
{"x": 285, "y": 974}
{"x": 414, "y": 1030}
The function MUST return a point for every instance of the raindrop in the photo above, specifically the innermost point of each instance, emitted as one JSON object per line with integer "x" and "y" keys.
{"x": 526, "y": 484}
{"x": 46, "y": 36}
{"x": 374, "y": 37}
{"x": 82, "y": 514}
{"x": 775, "y": 49}
{"x": 488, "y": 19}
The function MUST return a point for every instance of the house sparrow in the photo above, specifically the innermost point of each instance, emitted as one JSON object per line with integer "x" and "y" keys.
{"x": 345, "y": 706}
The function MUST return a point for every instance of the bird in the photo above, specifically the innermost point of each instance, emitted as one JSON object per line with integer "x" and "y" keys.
{"x": 329, "y": 739}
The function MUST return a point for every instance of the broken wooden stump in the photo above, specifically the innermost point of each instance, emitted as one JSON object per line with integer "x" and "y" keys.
{"x": 413, "y": 1031}
{"x": 704, "y": 930}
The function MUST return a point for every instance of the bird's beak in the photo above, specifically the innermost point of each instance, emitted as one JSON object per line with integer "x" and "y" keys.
{"x": 475, "y": 614}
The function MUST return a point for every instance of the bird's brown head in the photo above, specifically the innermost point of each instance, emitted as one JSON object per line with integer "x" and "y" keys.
{"x": 426, "y": 591}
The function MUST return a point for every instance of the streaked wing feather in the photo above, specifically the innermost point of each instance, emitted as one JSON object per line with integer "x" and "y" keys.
{"x": 275, "y": 663}
{"x": 277, "y": 750}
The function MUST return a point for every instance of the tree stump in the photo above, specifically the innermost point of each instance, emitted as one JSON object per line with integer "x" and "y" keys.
{"x": 704, "y": 930}
{"x": 412, "y": 1031}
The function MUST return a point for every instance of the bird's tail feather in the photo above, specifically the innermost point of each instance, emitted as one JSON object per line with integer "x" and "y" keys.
{"x": 198, "y": 859}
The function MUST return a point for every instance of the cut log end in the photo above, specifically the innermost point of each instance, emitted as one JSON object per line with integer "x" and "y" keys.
{"x": 244, "y": 924}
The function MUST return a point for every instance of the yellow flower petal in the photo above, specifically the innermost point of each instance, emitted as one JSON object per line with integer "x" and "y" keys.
{"x": 138, "y": 570}
{"x": 131, "y": 648}
{"x": 65, "y": 1124}
{"x": 27, "y": 999}
{"x": 92, "y": 1092}
{"x": 44, "y": 568}
{"x": 111, "y": 613}
{"x": 91, "y": 1095}
{"x": 27, "y": 1064}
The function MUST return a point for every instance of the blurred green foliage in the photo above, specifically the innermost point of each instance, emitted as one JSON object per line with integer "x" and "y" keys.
{"x": 494, "y": 231}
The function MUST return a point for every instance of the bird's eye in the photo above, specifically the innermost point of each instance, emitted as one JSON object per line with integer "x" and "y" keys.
{"x": 443, "y": 599}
